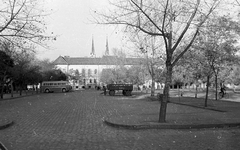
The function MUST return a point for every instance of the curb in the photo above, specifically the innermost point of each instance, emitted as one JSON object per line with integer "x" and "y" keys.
{"x": 201, "y": 107}
{"x": 171, "y": 126}
{"x": 2, "y": 147}
{"x": 6, "y": 125}
{"x": 17, "y": 97}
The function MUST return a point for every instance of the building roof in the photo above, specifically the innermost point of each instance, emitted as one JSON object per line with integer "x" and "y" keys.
{"x": 105, "y": 60}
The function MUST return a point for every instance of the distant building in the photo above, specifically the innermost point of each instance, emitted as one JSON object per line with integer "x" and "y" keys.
{"x": 91, "y": 67}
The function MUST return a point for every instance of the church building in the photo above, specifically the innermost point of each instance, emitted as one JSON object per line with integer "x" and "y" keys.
{"x": 90, "y": 68}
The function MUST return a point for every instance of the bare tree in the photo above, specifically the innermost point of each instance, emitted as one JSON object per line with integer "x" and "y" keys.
{"x": 176, "y": 22}
{"x": 22, "y": 23}
{"x": 150, "y": 49}
{"x": 238, "y": 3}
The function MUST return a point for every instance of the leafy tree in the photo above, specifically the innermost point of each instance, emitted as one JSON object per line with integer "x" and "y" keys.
{"x": 118, "y": 73}
{"x": 20, "y": 70}
{"x": 179, "y": 76}
{"x": 231, "y": 73}
{"x": 213, "y": 52}
{"x": 148, "y": 47}
{"x": 77, "y": 75}
{"x": 45, "y": 65}
{"x": 6, "y": 62}
{"x": 74, "y": 75}
{"x": 133, "y": 74}
{"x": 160, "y": 75}
{"x": 196, "y": 65}
{"x": 54, "y": 75}
{"x": 33, "y": 76}
{"x": 218, "y": 45}
{"x": 107, "y": 76}
{"x": 136, "y": 74}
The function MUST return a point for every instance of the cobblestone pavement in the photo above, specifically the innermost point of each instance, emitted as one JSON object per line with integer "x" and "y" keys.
{"x": 73, "y": 121}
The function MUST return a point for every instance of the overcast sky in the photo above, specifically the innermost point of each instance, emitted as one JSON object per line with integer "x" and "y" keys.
{"x": 70, "y": 21}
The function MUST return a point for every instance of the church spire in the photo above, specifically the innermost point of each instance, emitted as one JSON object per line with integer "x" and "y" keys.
{"x": 107, "y": 49}
{"x": 93, "y": 50}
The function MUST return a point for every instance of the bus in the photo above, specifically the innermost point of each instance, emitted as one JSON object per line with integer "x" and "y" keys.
{"x": 55, "y": 86}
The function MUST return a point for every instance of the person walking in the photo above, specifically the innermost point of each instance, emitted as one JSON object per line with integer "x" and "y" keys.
{"x": 104, "y": 90}
{"x": 222, "y": 90}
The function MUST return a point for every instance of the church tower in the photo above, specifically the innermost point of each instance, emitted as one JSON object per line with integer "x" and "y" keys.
{"x": 107, "y": 49}
{"x": 93, "y": 50}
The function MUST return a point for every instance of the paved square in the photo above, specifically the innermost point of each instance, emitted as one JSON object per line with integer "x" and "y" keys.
{"x": 73, "y": 121}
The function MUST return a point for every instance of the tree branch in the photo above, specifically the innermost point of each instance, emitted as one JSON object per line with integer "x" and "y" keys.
{"x": 135, "y": 26}
{"x": 187, "y": 26}
{"x": 195, "y": 35}
{"x": 185, "y": 50}
{"x": 12, "y": 17}
{"x": 146, "y": 15}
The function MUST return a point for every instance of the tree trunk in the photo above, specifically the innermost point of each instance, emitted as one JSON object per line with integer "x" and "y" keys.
{"x": 163, "y": 108}
{"x": 196, "y": 91}
{"x": 20, "y": 91}
{"x": 2, "y": 84}
{"x": 216, "y": 87}
{"x": 32, "y": 89}
{"x": 2, "y": 88}
{"x": 11, "y": 88}
{"x": 37, "y": 89}
{"x": 153, "y": 86}
{"x": 206, "y": 98}
{"x": 179, "y": 92}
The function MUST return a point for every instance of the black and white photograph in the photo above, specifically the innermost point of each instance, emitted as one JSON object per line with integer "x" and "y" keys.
{"x": 119, "y": 74}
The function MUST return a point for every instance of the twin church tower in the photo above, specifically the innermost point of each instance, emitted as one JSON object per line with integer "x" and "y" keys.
{"x": 93, "y": 54}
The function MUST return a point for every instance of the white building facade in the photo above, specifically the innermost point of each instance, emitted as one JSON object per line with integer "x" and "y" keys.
{"x": 90, "y": 68}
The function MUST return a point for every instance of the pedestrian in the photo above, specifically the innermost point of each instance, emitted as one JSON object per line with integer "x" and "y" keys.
{"x": 104, "y": 90}
{"x": 223, "y": 90}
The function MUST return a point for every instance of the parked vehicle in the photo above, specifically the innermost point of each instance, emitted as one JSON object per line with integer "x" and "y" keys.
{"x": 126, "y": 89}
{"x": 55, "y": 86}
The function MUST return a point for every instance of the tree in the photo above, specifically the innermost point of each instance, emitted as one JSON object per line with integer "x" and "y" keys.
{"x": 213, "y": 52}
{"x": 118, "y": 73}
{"x": 45, "y": 65}
{"x": 160, "y": 75}
{"x": 234, "y": 75}
{"x": 6, "y": 62}
{"x": 197, "y": 64}
{"x": 54, "y": 75}
{"x": 176, "y": 22}
{"x": 136, "y": 74}
{"x": 74, "y": 76}
{"x": 21, "y": 70}
{"x": 34, "y": 76}
{"x": 22, "y": 23}
{"x": 107, "y": 76}
{"x": 217, "y": 43}
{"x": 149, "y": 48}
{"x": 179, "y": 75}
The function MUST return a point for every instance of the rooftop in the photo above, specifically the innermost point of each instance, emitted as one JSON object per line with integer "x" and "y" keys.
{"x": 105, "y": 60}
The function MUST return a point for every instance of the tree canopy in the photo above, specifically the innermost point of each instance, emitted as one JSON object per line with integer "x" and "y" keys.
{"x": 22, "y": 24}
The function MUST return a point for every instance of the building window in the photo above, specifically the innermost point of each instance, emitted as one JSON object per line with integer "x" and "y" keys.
{"x": 84, "y": 81}
{"x": 95, "y": 71}
{"x": 89, "y": 72}
{"x": 95, "y": 81}
{"x": 83, "y": 73}
{"x": 90, "y": 80}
